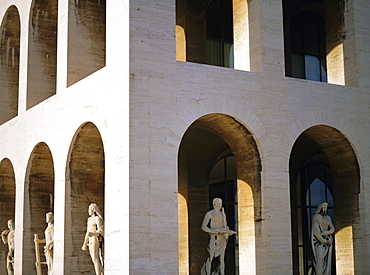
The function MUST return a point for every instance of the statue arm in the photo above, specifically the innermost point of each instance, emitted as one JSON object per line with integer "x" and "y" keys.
{"x": 86, "y": 241}
{"x": 100, "y": 227}
{"x": 49, "y": 237}
{"x": 49, "y": 245}
{"x": 205, "y": 227}
{"x": 3, "y": 236}
{"x": 331, "y": 229}
{"x": 316, "y": 230}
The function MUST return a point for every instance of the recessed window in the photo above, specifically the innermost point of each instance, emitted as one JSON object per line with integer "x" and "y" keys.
{"x": 204, "y": 32}
{"x": 219, "y": 21}
{"x": 308, "y": 50}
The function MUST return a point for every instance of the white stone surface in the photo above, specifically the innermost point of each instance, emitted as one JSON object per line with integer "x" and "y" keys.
{"x": 143, "y": 101}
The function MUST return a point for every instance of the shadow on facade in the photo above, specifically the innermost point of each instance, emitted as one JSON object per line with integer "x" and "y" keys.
{"x": 42, "y": 51}
{"x": 86, "y": 38}
{"x": 9, "y": 64}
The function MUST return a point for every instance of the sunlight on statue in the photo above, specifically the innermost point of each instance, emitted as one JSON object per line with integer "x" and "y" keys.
{"x": 8, "y": 238}
{"x": 322, "y": 240}
{"x": 49, "y": 242}
{"x": 94, "y": 238}
{"x": 215, "y": 225}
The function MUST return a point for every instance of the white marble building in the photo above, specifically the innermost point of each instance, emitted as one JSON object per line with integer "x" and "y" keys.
{"x": 152, "y": 108}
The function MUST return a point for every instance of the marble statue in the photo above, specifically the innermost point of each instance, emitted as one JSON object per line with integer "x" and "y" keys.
{"x": 94, "y": 238}
{"x": 8, "y": 238}
{"x": 322, "y": 240}
{"x": 214, "y": 223}
{"x": 49, "y": 244}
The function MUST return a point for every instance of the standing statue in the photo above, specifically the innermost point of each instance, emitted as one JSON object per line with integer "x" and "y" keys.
{"x": 214, "y": 223}
{"x": 94, "y": 238}
{"x": 49, "y": 245}
{"x": 8, "y": 238}
{"x": 322, "y": 240}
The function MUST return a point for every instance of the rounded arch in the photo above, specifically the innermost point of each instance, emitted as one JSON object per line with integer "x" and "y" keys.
{"x": 7, "y": 203}
{"x": 9, "y": 64}
{"x": 38, "y": 199}
{"x": 322, "y": 118}
{"x": 327, "y": 145}
{"x": 42, "y": 51}
{"x": 85, "y": 174}
{"x": 204, "y": 142}
{"x": 197, "y": 108}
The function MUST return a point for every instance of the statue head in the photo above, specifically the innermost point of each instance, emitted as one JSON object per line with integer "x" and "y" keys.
{"x": 49, "y": 217}
{"x": 322, "y": 208}
{"x": 11, "y": 224}
{"x": 217, "y": 203}
{"x": 94, "y": 209}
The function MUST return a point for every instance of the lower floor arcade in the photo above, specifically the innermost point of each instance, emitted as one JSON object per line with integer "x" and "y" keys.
{"x": 218, "y": 156}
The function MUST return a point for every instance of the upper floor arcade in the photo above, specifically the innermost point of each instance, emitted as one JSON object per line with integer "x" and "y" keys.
{"x": 305, "y": 39}
{"x": 313, "y": 40}
{"x": 29, "y": 49}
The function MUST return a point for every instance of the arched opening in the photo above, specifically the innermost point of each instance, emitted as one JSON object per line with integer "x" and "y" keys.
{"x": 313, "y": 38}
{"x": 207, "y": 32}
{"x": 7, "y": 204}
{"x": 38, "y": 200}
{"x": 218, "y": 157}
{"x": 9, "y": 64}
{"x": 85, "y": 185}
{"x": 86, "y": 38}
{"x": 324, "y": 168}
{"x": 42, "y": 51}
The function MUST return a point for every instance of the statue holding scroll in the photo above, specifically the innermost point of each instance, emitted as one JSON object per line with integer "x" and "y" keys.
{"x": 8, "y": 238}
{"x": 214, "y": 223}
{"x": 322, "y": 240}
{"x": 94, "y": 238}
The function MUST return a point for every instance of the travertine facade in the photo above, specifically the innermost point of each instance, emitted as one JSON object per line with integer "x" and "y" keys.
{"x": 95, "y": 106}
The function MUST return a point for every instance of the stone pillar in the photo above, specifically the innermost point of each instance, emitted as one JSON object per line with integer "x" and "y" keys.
{"x": 335, "y": 35}
{"x": 60, "y": 208}
{"x": 19, "y": 217}
{"x": 266, "y": 37}
{"x": 356, "y": 63}
{"x": 275, "y": 218}
{"x": 241, "y": 35}
{"x": 356, "y": 43}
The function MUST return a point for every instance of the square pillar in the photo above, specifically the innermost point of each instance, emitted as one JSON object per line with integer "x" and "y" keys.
{"x": 266, "y": 40}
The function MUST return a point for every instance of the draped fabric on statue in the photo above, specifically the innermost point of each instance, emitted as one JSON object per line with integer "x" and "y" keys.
{"x": 217, "y": 246}
{"x": 322, "y": 253}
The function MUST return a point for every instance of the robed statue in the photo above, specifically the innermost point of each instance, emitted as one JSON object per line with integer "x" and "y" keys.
{"x": 322, "y": 240}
